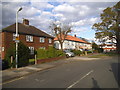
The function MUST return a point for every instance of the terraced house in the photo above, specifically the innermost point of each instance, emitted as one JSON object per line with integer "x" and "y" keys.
{"x": 73, "y": 42}
{"x": 29, "y": 35}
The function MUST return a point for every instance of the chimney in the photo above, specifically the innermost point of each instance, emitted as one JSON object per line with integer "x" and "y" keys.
{"x": 75, "y": 35}
{"x": 25, "y": 21}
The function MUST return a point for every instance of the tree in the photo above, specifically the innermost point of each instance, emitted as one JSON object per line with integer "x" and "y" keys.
{"x": 60, "y": 31}
{"x": 108, "y": 28}
{"x": 94, "y": 46}
{"x": 23, "y": 55}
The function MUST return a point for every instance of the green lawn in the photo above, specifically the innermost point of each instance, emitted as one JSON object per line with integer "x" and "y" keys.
{"x": 98, "y": 56}
{"x": 102, "y": 55}
{"x": 31, "y": 60}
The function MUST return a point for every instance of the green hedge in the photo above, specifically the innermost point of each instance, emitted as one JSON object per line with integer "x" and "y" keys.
{"x": 77, "y": 52}
{"x": 23, "y": 55}
{"x": 49, "y": 53}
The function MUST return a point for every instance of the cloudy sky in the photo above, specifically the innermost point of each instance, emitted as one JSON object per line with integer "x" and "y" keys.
{"x": 81, "y": 14}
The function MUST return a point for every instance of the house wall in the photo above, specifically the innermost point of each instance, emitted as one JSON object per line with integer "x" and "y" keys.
{"x": 72, "y": 45}
{"x": 7, "y": 40}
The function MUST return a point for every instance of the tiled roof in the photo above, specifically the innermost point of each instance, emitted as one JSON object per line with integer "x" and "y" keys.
{"x": 71, "y": 38}
{"x": 109, "y": 48}
{"x": 26, "y": 29}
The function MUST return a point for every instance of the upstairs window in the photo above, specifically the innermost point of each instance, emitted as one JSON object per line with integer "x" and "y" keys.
{"x": 50, "y": 40}
{"x": 42, "y": 39}
{"x": 29, "y": 38}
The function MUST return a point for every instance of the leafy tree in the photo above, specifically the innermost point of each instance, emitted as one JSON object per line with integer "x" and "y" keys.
{"x": 94, "y": 46}
{"x": 60, "y": 31}
{"x": 23, "y": 55}
{"x": 108, "y": 28}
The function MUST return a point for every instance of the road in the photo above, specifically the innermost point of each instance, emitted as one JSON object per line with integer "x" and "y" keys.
{"x": 96, "y": 73}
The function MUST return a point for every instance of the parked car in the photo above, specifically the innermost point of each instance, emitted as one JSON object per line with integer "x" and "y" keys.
{"x": 69, "y": 53}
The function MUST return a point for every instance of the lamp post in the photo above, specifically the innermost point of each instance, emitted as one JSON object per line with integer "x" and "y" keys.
{"x": 17, "y": 36}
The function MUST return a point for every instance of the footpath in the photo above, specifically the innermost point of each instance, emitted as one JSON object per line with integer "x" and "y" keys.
{"x": 11, "y": 74}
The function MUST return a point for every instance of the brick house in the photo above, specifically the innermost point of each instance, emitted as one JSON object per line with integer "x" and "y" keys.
{"x": 29, "y": 35}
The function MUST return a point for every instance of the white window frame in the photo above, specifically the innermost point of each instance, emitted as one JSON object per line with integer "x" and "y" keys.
{"x": 42, "y": 39}
{"x": 29, "y": 38}
{"x": 31, "y": 50}
{"x": 50, "y": 40}
{"x": 42, "y": 47}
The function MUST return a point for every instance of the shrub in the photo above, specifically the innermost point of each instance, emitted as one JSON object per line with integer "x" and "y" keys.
{"x": 76, "y": 52}
{"x": 89, "y": 52}
{"x": 10, "y": 52}
{"x": 50, "y": 53}
{"x": 41, "y": 53}
{"x": 23, "y": 55}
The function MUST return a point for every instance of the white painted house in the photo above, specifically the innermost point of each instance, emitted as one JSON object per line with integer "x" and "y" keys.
{"x": 72, "y": 42}
{"x": 108, "y": 47}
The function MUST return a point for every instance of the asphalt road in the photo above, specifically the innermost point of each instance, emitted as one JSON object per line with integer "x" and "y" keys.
{"x": 102, "y": 73}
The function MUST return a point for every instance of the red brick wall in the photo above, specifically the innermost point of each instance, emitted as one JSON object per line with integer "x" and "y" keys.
{"x": 7, "y": 39}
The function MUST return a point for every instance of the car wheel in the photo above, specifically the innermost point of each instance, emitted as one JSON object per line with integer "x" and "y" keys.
{"x": 67, "y": 55}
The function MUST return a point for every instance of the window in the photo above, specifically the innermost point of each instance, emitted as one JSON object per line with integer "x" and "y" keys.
{"x": 31, "y": 50}
{"x": 42, "y": 39}
{"x": 50, "y": 40}
{"x": 42, "y": 47}
{"x": 14, "y": 36}
{"x": 29, "y": 38}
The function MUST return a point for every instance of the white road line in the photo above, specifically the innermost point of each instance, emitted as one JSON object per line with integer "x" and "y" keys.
{"x": 79, "y": 80}
{"x": 11, "y": 81}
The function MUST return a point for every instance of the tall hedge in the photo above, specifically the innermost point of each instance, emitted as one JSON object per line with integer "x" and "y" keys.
{"x": 49, "y": 53}
{"x": 23, "y": 55}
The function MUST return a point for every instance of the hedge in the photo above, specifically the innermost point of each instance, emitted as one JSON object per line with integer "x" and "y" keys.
{"x": 23, "y": 55}
{"x": 49, "y": 53}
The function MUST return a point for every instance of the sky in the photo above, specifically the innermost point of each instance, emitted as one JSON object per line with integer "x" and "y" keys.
{"x": 80, "y": 14}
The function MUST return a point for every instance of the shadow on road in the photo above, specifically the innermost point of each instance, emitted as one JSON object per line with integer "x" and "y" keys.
{"x": 95, "y": 85}
{"x": 116, "y": 71}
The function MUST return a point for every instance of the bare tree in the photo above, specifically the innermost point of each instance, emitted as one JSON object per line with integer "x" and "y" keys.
{"x": 60, "y": 31}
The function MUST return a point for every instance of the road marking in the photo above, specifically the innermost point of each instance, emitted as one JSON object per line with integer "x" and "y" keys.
{"x": 79, "y": 80}
{"x": 12, "y": 80}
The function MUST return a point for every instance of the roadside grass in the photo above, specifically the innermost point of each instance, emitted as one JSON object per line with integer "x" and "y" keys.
{"x": 97, "y": 56}
{"x": 102, "y": 55}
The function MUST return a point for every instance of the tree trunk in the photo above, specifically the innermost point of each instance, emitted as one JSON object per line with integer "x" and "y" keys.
{"x": 118, "y": 44}
{"x": 61, "y": 44}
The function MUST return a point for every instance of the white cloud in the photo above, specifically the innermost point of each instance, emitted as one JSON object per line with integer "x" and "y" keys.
{"x": 64, "y": 8}
{"x": 41, "y": 5}
{"x": 41, "y": 13}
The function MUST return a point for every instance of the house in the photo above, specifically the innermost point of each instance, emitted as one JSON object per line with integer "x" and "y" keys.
{"x": 72, "y": 42}
{"x": 29, "y": 35}
{"x": 108, "y": 47}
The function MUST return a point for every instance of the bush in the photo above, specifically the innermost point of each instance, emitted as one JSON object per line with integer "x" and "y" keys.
{"x": 76, "y": 52}
{"x": 100, "y": 50}
{"x": 23, "y": 55}
{"x": 5, "y": 64}
{"x": 41, "y": 53}
{"x": 50, "y": 53}
{"x": 89, "y": 52}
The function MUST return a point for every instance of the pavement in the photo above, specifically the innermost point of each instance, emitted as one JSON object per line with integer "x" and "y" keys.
{"x": 11, "y": 74}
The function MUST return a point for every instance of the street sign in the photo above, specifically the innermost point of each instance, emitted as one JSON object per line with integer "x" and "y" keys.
{"x": 17, "y": 39}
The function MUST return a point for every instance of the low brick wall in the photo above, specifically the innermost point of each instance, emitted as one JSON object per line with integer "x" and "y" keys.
{"x": 49, "y": 59}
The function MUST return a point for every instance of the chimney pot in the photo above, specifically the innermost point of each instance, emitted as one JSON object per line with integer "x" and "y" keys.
{"x": 75, "y": 35}
{"x": 25, "y": 21}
